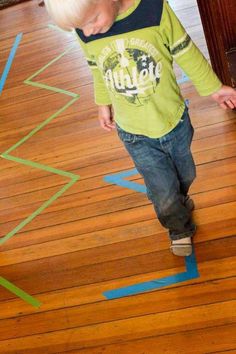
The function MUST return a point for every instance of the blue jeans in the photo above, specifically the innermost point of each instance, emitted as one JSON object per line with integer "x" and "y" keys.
{"x": 168, "y": 169}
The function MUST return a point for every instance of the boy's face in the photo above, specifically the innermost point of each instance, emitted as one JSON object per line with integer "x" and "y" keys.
{"x": 100, "y": 17}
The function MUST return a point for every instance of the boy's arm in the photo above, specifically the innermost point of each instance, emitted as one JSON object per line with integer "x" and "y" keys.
{"x": 192, "y": 61}
{"x": 101, "y": 94}
{"x": 225, "y": 97}
{"x": 105, "y": 116}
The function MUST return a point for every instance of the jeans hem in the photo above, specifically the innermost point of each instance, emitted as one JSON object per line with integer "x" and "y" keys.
{"x": 183, "y": 234}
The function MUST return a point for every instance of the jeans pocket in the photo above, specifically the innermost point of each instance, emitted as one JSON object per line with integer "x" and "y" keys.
{"x": 183, "y": 137}
{"x": 127, "y": 138}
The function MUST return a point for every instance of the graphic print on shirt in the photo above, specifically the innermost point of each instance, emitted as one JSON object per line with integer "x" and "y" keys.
{"x": 131, "y": 68}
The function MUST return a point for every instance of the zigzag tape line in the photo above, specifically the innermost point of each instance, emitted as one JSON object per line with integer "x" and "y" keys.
{"x": 73, "y": 178}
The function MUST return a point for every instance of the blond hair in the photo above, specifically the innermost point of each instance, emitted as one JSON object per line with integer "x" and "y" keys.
{"x": 67, "y": 14}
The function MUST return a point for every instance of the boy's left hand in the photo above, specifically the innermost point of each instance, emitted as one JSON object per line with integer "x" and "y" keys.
{"x": 225, "y": 97}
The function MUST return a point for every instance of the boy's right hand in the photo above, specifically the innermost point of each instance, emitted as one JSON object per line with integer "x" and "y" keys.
{"x": 105, "y": 116}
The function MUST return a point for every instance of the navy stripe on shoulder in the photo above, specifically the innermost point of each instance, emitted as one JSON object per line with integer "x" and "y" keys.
{"x": 147, "y": 14}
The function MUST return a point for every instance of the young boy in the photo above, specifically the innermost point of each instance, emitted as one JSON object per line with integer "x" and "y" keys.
{"x": 130, "y": 46}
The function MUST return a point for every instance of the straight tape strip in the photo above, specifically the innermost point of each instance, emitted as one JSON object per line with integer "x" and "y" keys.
{"x": 50, "y": 63}
{"x": 119, "y": 180}
{"x": 40, "y": 126}
{"x": 9, "y": 61}
{"x": 40, "y": 166}
{"x": 56, "y": 28}
{"x": 20, "y": 293}
{"x": 50, "y": 88}
{"x": 36, "y": 213}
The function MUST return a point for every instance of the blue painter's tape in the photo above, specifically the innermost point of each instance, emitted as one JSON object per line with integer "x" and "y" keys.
{"x": 191, "y": 266}
{"x": 191, "y": 273}
{"x": 9, "y": 61}
{"x": 190, "y": 262}
{"x": 118, "y": 179}
{"x": 183, "y": 79}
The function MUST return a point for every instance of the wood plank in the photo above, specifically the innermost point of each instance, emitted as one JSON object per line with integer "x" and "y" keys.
{"x": 107, "y": 311}
{"x": 63, "y": 246}
{"x": 114, "y": 261}
{"x": 216, "y": 339}
{"x": 206, "y": 219}
{"x": 211, "y": 272}
{"x": 205, "y": 316}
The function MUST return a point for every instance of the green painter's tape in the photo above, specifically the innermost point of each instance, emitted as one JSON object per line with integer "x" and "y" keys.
{"x": 36, "y": 212}
{"x": 49, "y": 64}
{"x": 40, "y": 166}
{"x": 50, "y": 88}
{"x": 54, "y": 27}
{"x": 20, "y": 293}
{"x": 40, "y": 126}
{"x": 73, "y": 178}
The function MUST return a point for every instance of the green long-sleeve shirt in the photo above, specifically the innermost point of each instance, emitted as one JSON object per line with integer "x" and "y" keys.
{"x": 132, "y": 66}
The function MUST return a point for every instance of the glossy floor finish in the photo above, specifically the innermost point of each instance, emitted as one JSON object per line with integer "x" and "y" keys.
{"x": 68, "y": 236}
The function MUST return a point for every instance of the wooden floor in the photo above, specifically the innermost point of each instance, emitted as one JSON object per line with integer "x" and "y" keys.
{"x": 95, "y": 236}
